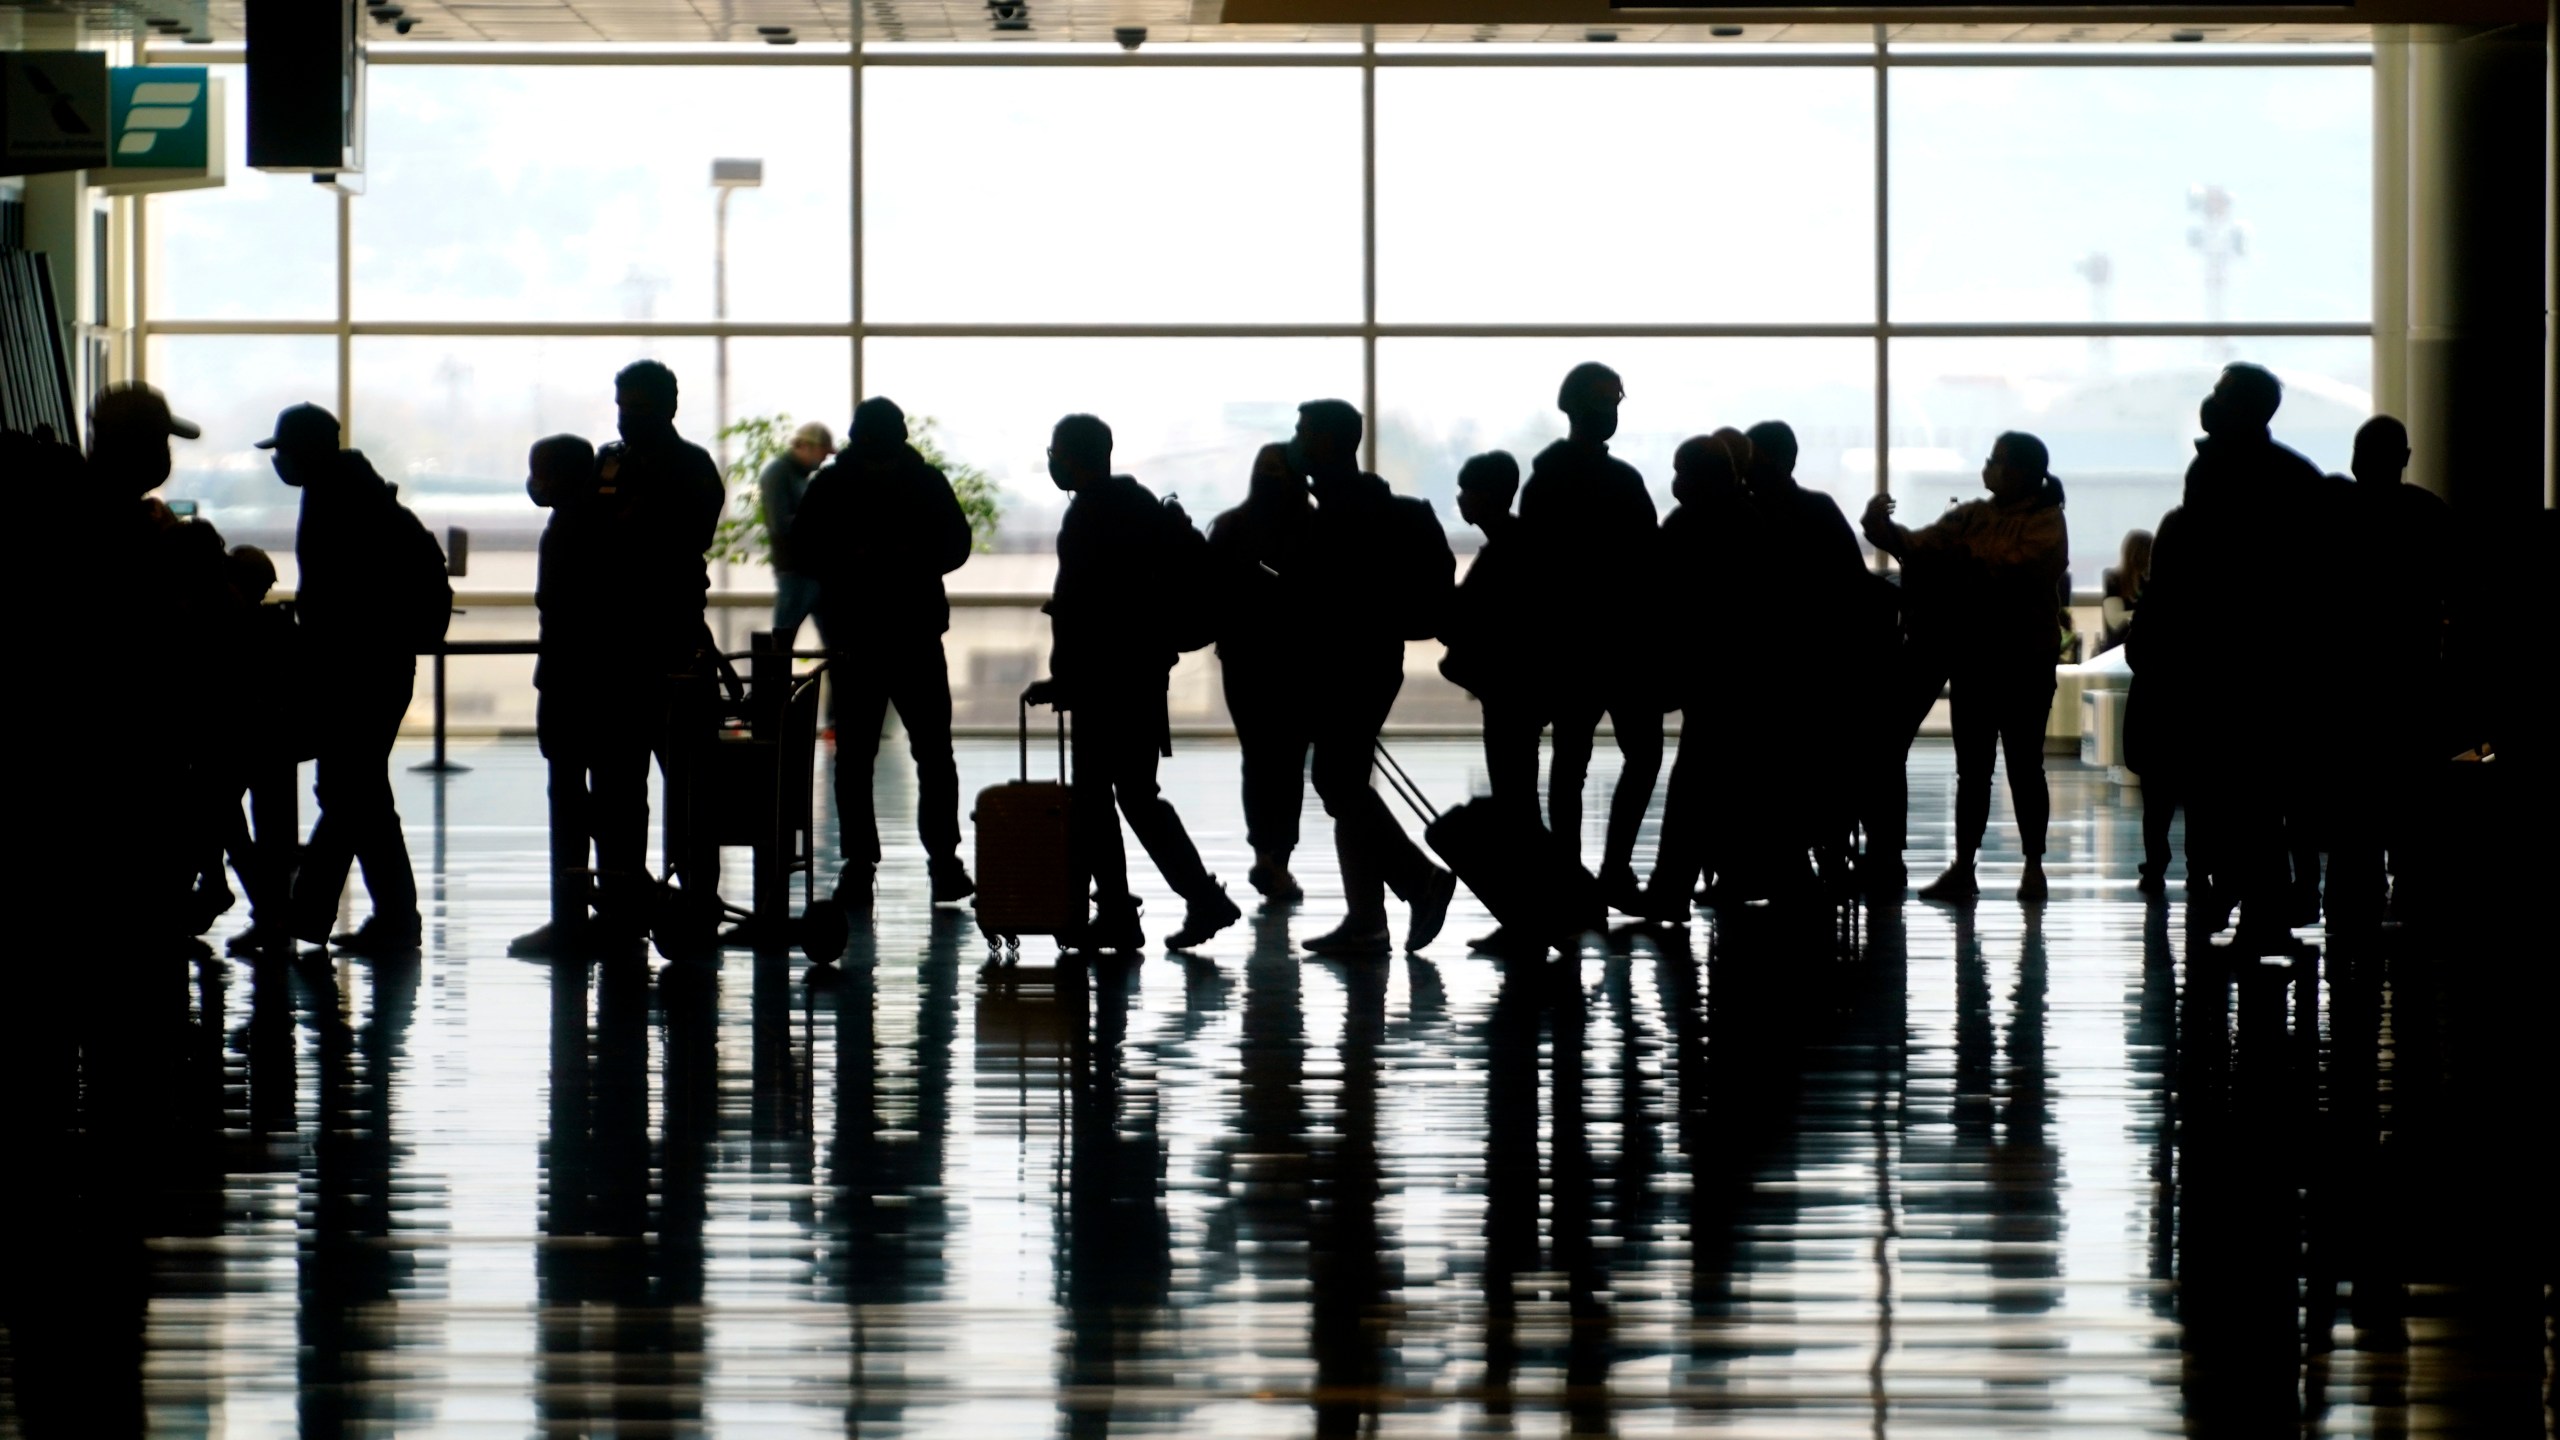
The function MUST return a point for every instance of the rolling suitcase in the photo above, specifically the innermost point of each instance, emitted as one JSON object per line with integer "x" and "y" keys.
{"x": 1027, "y": 883}
{"x": 1533, "y": 885}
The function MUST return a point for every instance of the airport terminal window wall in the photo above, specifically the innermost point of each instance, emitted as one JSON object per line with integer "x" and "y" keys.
{"x": 1920, "y": 244}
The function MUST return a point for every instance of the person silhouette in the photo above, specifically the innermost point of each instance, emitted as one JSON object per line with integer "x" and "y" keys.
{"x": 1492, "y": 619}
{"x": 1817, "y": 603}
{"x": 1990, "y": 569}
{"x": 1259, "y": 548}
{"x": 2220, "y": 561}
{"x": 2405, "y": 536}
{"x": 1380, "y": 572}
{"x": 370, "y": 594}
{"x": 1711, "y": 544}
{"x": 258, "y": 751}
{"x": 779, "y": 488}
{"x": 1109, "y": 656}
{"x": 880, "y": 527}
{"x": 599, "y": 682}
{"x": 1594, "y": 529}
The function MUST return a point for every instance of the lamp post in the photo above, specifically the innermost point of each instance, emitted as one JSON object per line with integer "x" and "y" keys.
{"x": 727, "y": 176}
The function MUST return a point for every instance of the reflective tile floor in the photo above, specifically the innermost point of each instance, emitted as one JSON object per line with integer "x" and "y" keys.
{"x": 2024, "y": 1170}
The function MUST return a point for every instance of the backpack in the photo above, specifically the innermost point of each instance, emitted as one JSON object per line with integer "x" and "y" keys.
{"x": 422, "y": 592}
{"x": 1193, "y": 618}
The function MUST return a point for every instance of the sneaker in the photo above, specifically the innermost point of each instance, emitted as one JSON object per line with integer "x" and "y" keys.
{"x": 1430, "y": 908}
{"x": 951, "y": 882}
{"x": 260, "y": 938}
{"x": 1956, "y": 887}
{"x": 380, "y": 939}
{"x": 1271, "y": 879}
{"x": 1506, "y": 943}
{"x": 2031, "y": 886}
{"x": 2153, "y": 884}
{"x": 1620, "y": 892}
{"x": 1351, "y": 939}
{"x": 1113, "y": 929}
{"x": 549, "y": 942}
{"x": 1204, "y": 918}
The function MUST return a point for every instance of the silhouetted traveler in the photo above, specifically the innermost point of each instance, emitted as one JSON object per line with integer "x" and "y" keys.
{"x": 1825, "y": 640}
{"x": 1714, "y": 654}
{"x": 1121, "y": 556}
{"x": 603, "y": 686}
{"x": 2222, "y": 562}
{"x": 1259, "y": 549}
{"x": 259, "y": 743}
{"x": 2403, "y": 538}
{"x": 1592, "y": 524}
{"x": 1985, "y": 574}
{"x": 1494, "y": 625}
{"x": 1380, "y": 573}
{"x": 779, "y": 489}
{"x": 371, "y": 593}
{"x": 153, "y": 660}
{"x": 2122, "y": 587}
{"x": 880, "y": 528}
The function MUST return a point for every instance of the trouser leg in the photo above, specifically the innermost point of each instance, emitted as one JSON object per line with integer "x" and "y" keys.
{"x": 1680, "y": 856}
{"x": 1638, "y": 726}
{"x": 357, "y": 820}
{"x": 1976, "y": 720}
{"x": 608, "y": 780}
{"x": 861, "y": 705}
{"x": 1093, "y": 816}
{"x": 1577, "y": 722}
{"x": 1152, "y": 817}
{"x": 922, "y": 693}
{"x": 1374, "y": 851}
{"x": 381, "y": 847}
{"x": 2029, "y": 703}
{"x": 690, "y": 727}
{"x": 2159, "y": 807}
{"x": 1904, "y": 701}
{"x": 793, "y": 598}
{"x": 1271, "y": 731}
{"x": 1511, "y": 755}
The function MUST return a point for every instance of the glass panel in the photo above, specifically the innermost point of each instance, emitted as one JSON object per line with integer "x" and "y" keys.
{"x": 584, "y": 193}
{"x": 2057, "y": 196}
{"x": 1186, "y": 415}
{"x": 1669, "y": 195}
{"x": 233, "y": 385}
{"x": 1445, "y": 400}
{"x": 260, "y": 246}
{"x": 1105, "y": 195}
{"x": 2119, "y": 417}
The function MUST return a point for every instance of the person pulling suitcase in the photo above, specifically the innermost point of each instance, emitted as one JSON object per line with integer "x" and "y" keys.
{"x": 1121, "y": 555}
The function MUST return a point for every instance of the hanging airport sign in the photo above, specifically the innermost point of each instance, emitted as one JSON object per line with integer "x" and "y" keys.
{"x": 168, "y": 130}
{"x": 53, "y": 111}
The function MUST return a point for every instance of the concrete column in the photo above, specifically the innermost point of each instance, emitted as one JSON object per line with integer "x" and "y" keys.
{"x": 2462, "y": 258}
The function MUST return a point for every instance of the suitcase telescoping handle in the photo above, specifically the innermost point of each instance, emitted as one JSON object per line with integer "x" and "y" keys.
{"x": 1025, "y": 707}
{"x": 1402, "y": 784}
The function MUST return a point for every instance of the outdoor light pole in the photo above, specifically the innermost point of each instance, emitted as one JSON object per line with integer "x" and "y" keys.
{"x": 726, "y": 176}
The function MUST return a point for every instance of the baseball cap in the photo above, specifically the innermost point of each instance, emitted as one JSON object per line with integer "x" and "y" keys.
{"x": 303, "y": 427}
{"x": 133, "y": 405}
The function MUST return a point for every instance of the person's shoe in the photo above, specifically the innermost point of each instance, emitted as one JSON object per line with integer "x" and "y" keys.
{"x": 549, "y": 942}
{"x": 1659, "y": 909}
{"x": 1883, "y": 879}
{"x": 1956, "y": 887}
{"x": 2031, "y": 886}
{"x": 1350, "y": 939}
{"x": 1204, "y": 918}
{"x": 261, "y": 938}
{"x": 951, "y": 882}
{"x": 1620, "y": 891}
{"x": 2306, "y": 906}
{"x": 380, "y": 939}
{"x": 853, "y": 892}
{"x": 1113, "y": 929}
{"x": 1430, "y": 908}
{"x": 2153, "y": 884}
{"x": 1271, "y": 879}
{"x": 1499, "y": 941}
{"x": 208, "y": 904}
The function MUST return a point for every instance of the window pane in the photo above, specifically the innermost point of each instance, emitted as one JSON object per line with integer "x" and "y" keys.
{"x": 1186, "y": 415}
{"x": 259, "y": 247}
{"x": 2119, "y": 417}
{"x": 1626, "y": 196}
{"x": 1059, "y": 195}
{"x": 584, "y": 193}
{"x": 233, "y": 386}
{"x": 1444, "y": 400}
{"x": 2132, "y": 195}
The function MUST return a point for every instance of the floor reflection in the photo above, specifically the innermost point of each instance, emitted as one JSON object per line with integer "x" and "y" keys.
{"x": 2066, "y": 1167}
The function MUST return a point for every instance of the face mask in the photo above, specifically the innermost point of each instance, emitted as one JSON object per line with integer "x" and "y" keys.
{"x": 1058, "y": 475}
{"x": 2209, "y": 415}
{"x": 1294, "y": 454}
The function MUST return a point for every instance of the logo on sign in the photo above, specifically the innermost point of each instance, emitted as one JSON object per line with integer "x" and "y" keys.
{"x": 156, "y": 106}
